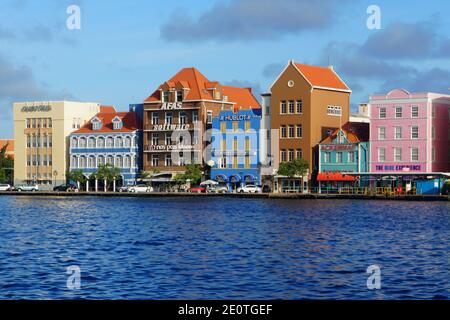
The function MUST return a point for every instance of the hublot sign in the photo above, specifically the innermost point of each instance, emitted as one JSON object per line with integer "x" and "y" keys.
{"x": 40, "y": 108}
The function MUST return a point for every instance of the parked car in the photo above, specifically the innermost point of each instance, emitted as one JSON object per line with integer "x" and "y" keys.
{"x": 124, "y": 189}
{"x": 140, "y": 188}
{"x": 26, "y": 187}
{"x": 249, "y": 189}
{"x": 218, "y": 189}
{"x": 5, "y": 187}
{"x": 66, "y": 188}
{"x": 197, "y": 189}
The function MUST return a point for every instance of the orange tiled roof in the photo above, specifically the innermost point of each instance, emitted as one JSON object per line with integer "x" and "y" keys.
{"x": 322, "y": 77}
{"x": 355, "y": 132}
{"x": 130, "y": 123}
{"x": 107, "y": 109}
{"x": 198, "y": 85}
{"x": 243, "y": 97}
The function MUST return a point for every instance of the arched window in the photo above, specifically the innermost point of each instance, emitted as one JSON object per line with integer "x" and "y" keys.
{"x": 83, "y": 163}
{"x": 74, "y": 143}
{"x": 110, "y": 160}
{"x": 127, "y": 142}
{"x": 91, "y": 163}
{"x": 101, "y": 160}
{"x": 133, "y": 162}
{"x": 91, "y": 143}
{"x": 109, "y": 142}
{"x": 126, "y": 162}
{"x": 101, "y": 142}
{"x": 119, "y": 162}
{"x": 82, "y": 143}
{"x": 74, "y": 162}
{"x": 119, "y": 142}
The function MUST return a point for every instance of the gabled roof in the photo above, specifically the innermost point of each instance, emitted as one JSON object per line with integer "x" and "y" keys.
{"x": 200, "y": 89}
{"x": 355, "y": 132}
{"x": 319, "y": 77}
{"x": 107, "y": 109}
{"x": 130, "y": 122}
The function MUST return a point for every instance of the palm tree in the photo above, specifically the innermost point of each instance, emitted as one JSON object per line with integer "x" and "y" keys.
{"x": 76, "y": 176}
{"x": 108, "y": 173}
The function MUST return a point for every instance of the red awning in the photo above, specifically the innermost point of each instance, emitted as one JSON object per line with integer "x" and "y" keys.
{"x": 334, "y": 176}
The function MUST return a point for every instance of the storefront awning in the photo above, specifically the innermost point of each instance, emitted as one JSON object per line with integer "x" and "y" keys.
{"x": 334, "y": 177}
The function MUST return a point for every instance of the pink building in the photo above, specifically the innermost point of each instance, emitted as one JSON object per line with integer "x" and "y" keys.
{"x": 409, "y": 132}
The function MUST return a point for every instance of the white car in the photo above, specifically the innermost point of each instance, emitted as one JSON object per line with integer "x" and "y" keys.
{"x": 218, "y": 189}
{"x": 26, "y": 187}
{"x": 5, "y": 187}
{"x": 141, "y": 188}
{"x": 249, "y": 189}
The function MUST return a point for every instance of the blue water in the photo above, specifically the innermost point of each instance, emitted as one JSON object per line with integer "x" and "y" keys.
{"x": 213, "y": 248}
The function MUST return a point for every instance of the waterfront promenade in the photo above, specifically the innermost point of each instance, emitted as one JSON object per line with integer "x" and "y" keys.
{"x": 293, "y": 196}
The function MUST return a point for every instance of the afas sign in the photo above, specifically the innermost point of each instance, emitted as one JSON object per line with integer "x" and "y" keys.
{"x": 172, "y": 106}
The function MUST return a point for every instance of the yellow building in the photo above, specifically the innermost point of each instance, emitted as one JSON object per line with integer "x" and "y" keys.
{"x": 41, "y": 131}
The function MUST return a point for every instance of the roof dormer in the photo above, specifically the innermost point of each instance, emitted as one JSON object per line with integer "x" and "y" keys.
{"x": 96, "y": 124}
{"x": 117, "y": 123}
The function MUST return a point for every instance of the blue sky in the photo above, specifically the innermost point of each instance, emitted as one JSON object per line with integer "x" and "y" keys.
{"x": 125, "y": 49}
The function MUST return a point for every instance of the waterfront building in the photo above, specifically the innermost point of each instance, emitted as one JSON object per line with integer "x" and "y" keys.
{"x": 307, "y": 104}
{"x": 41, "y": 134}
{"x": 409, "y": 133}
{"x": 110, "y": 137}
{"x": 235, "y": 148}
{"x": 177, "y": 116}
{"x": 9, "y": 147}
{"x": 345, "y": 151}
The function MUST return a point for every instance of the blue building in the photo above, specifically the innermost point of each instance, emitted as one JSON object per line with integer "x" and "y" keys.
{"x": 235, "y": 148}
{"x": 345, "y": 151}
{"x": 109, "y": 138}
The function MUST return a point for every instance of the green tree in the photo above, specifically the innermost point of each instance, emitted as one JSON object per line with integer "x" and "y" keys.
{"x": 293, "y": 169}
{"x": 194, "y": 173}
{"x": 6, "y": 166}
{"x": 76, "y": 176}
{"x": 108, "y": 173}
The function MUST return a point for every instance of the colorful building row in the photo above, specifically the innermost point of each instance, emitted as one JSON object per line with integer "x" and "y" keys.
{"x": 235, "y": 139}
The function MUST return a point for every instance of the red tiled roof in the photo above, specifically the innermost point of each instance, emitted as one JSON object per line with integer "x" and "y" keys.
{"x": 322, "y": 77}
{"x": 198, "y": 85}
{"x": 107, "y": 109}
{"x": 243, "y": 97}
{"x": 354, "y": 131}
{"x": 130, "y": 121}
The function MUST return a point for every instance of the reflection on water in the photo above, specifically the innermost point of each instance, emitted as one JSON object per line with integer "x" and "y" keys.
{"x": 131, "y": 248}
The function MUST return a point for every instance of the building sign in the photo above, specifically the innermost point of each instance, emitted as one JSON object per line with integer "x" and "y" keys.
{"x": 338, "y": 147}
{"x": 171, "y": 148}
{"x": 235, "y": 118}
{"x": 40, "y": 108}
{"x": 402, "y": 168}
{"x": 171, "y": 127}
{"x": 172, "y": 106}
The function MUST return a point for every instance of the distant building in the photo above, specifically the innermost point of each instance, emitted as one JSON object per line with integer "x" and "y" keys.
{"x": 409, "y": 132}
{"x": 110, "y": 137}
{"x": 235, "y": 148}
{"x": 345, "y": 151}
{"x": 41, "y": 131}
{"x": 9, "y": 148}
{"x": 363, "y": 114}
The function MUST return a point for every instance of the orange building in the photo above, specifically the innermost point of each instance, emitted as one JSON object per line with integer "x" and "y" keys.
{"x": 307, "y": 103}
{"x": 177, "y": 115}
{"x": 9, "y": 148}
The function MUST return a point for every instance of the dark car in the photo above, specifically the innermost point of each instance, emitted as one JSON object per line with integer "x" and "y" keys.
{"x": 66, "y": 188}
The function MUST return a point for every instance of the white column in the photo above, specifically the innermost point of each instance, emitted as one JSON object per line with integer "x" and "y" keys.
{"x": 96, "y": 185}
{"x": 87, "y": 185}
{"x": 114, "y": 185}
{"x": 105, "y": 186}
